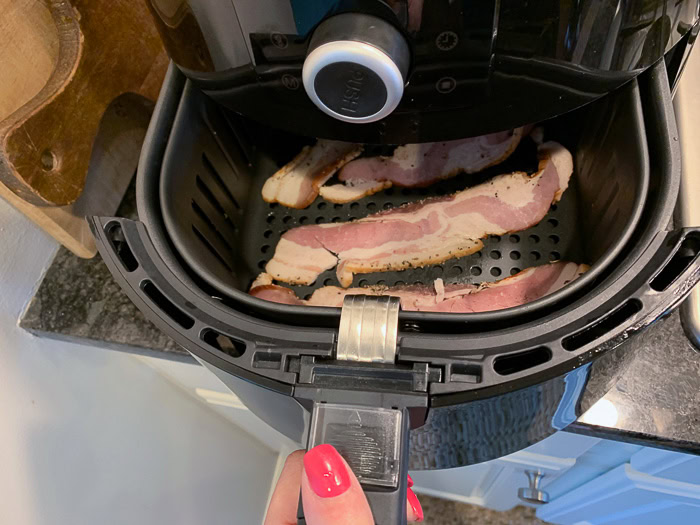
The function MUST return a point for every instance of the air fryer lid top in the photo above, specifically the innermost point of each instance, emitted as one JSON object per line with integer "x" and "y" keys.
{"x": 413, "y": 71}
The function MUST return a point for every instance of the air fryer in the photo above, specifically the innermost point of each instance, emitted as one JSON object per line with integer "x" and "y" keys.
{"x": 455, "y": 389}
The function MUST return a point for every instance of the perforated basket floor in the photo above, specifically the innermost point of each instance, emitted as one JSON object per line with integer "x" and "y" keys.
{"x": 554, "y": 238}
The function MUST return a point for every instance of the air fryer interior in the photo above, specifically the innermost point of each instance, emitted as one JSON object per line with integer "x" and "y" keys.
{"x": 216, "y": 163}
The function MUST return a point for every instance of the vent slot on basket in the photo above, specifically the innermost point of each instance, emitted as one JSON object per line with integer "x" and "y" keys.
{"x": 210, "y": 247}
{"x": 688, "y": 251}
{"x": 223, "y": 343}
{"x": 211, "y": 198}
{"x": 212, "y": 227}
{"x": 512, "y": 363}
{"x": 605, "y": 325}
{"x": 218, "y": 180}
{"x": 121, "y": 247}
{"x": 166, "y": 305}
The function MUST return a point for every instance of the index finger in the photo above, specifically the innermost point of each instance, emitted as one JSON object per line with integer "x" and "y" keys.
{"x": 285, "y": 499}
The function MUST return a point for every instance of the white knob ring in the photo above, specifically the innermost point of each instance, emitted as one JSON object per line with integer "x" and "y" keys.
{"x": 358, "y": 53}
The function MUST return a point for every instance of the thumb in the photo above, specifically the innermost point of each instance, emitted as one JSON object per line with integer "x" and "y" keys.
{"x": 330, "y": 491}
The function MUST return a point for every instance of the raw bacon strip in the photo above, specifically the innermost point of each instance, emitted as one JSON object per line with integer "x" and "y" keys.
{"x": 523, "y": 287}
{"x": 352, "y": 191}
{"x": 277, "y": 294}
{"x": 420, "y": 165}
{"x": 296, "y": 184}
{"x": 425, "y": 232}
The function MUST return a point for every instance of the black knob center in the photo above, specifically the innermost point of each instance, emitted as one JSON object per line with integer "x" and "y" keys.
{"x": 350, "y": 89}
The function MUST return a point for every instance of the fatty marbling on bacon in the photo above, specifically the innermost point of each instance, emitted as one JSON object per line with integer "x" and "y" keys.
{"x": 296, "y": 184}
{"x": 425, "y": 232}
{"x": 523, "y": 287}
{"x": 420, "y": 165}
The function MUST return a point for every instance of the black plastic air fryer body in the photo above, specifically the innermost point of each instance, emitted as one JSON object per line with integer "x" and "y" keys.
{"x": 462, "y": 388}
{"x": 458, "y": 67}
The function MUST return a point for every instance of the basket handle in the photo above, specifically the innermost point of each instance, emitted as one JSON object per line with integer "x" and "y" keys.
{"x": 368, "y": 428}
{"x": 374, "y": 442}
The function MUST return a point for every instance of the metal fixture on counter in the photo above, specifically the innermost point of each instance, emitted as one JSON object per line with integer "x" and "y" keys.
{"x": 532, "y": 493}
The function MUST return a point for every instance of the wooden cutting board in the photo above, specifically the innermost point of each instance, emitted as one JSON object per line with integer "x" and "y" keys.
{"x": 112, "y": 166}
{"x": 108, "y": 140}
{"x": 102, "y": 49}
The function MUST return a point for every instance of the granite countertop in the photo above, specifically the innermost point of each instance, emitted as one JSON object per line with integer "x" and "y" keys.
{"x": 656, "y": 402}
{"x": 79, "y": 301}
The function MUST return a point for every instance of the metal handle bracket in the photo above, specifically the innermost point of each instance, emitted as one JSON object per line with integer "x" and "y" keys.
{"x": 368, "y": 329}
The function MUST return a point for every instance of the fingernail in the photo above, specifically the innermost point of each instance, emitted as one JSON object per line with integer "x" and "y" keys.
{"x": 410, "y": 481}
{"x": 415, "y": 504}
{"x": 326, "y": 471}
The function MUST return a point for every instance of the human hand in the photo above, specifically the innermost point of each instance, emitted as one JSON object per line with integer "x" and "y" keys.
{"x": 330, "y": 492}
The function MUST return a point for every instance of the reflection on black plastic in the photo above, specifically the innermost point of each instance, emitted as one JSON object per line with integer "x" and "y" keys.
{"x": 686, "y": 254}
{"x": 602, "y": 327}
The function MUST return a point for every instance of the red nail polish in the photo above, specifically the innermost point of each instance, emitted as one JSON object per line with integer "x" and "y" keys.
{"x": 410, "y": 481}
{"x": 326, "y": 471}
{"x": 415, "y": 504}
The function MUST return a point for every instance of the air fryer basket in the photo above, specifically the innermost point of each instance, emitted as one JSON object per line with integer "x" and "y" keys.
{"x": 484, "y": 384}
{"x": 215, "y": 165}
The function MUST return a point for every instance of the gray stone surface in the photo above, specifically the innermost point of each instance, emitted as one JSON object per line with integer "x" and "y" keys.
{"x": 443, "y": 512}
{"x": 79, "y": 301}
{"x": 657, "y": 399}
